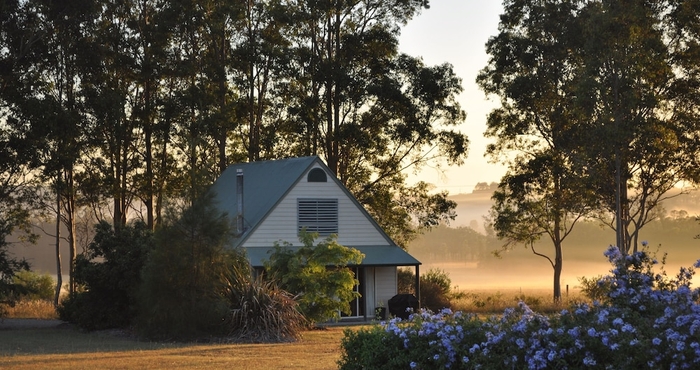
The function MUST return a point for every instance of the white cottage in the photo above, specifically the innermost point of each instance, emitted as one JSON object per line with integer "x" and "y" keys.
{"x": 273, "y": 200}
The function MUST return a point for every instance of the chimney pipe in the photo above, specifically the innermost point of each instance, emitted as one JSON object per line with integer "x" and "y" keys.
{"x": 239, "y": 201}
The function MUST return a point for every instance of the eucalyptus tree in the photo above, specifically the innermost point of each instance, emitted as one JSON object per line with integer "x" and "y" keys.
{"x": 16, "y": 186}
{"x": 200, "y": 98}
{"x": 641, "y": 131}
{"x": 530, "y": 70}
{"x": 109, "y": 91}
{"x": 260, "y": 67}
{"x": 46, "y": 102}
{"x": 596, "y": 115}
{"x": 370, "y": 111}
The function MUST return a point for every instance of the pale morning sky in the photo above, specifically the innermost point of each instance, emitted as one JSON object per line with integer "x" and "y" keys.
{"x": 456, "y": 31}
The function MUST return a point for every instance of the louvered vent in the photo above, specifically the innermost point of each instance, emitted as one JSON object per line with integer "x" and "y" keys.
{"x": 318, "y": 215}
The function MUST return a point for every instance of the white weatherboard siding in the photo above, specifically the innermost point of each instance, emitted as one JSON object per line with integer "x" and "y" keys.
{"x": 354, "y": 229}
{"x": 385, "y": 284}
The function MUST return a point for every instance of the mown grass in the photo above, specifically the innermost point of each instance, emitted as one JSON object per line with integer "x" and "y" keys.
{"x": 68, "y": 348}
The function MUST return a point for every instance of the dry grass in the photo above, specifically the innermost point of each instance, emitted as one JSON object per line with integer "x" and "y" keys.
{"x": 488, "y": 302}
{"x": 37, "y": 309}
{"x": 68, "y": 348}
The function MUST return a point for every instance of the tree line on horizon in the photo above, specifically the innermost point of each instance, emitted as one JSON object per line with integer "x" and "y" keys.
{"x": 675, "y": 234}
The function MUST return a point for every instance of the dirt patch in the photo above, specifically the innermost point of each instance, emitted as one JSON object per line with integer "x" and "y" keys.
{"x": 17, "y": 324}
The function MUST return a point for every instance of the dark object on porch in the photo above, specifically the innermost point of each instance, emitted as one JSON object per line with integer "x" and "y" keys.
{"x": 400, "y": 302}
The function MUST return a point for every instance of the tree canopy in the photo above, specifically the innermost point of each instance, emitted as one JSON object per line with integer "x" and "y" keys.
{"x": 123, "y": 107}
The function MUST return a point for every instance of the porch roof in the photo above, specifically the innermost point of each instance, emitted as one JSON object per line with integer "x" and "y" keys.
{"x": 375, "y": 255}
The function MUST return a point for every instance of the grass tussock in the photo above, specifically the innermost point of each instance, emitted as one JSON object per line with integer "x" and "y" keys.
{"x": 489, "y": 302}
{"x": 31, "y": 309}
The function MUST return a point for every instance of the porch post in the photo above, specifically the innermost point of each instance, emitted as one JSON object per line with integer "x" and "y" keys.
{"x": 418, "y": 284}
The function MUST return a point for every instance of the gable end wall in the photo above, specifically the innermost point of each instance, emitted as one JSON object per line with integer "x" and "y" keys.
{"x": 354, "y": 229}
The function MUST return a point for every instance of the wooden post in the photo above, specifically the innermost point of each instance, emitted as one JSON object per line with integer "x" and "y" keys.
{"x": 418, "y": 284}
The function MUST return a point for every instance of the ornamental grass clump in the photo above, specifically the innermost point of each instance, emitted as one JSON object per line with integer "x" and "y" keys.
{"x": 646, "y": 321}
{"x": 259, "y": 310}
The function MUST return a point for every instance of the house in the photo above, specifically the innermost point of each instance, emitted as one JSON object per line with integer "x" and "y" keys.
{"x": 273, "y": 200}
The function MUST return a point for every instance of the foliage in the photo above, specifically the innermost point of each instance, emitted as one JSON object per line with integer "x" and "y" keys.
{"x": 109, "y": 274}
{"x": 435, "y": 287}
{"x": 259, "y": 310}
{"x": 371, "y": 348}
{"x": 36, "y": 286}
{"x": 405, "y": 281}
{"x": 9, "y": 266}
{"x": 593, "y": 288}
{"x": 180, "y": 295}
{"x": 317, "y": 275}
{"x": 648, "y": 321}
{"x": 125, "y": 106}
{"x": 542, "y": 195}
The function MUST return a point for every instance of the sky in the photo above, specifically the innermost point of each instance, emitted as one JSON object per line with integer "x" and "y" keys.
{"x": 456, "y": 31}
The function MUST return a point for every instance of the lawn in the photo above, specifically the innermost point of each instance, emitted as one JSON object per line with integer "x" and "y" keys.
{"x": 69, "y": 348}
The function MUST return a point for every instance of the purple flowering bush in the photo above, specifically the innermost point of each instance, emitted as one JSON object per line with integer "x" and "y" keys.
{"x": 646, "y": 321}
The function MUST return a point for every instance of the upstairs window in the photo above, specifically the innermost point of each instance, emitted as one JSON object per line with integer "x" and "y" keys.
{"x": 317, "y": 175}
{"x": 318, "y": 216}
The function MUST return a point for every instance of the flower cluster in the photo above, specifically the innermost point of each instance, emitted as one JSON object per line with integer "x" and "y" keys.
{"x": 646, "y": 321}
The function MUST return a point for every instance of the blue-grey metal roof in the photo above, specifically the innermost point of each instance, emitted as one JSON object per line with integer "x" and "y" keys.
{"x": 264, "y": 185}
{"x": 375, "y": 255}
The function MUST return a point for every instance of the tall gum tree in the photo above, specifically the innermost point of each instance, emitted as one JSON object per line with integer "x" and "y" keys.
{"x": 641, "y": 135}
{"x": 371, "y": 112}
{"x": 529, "y": 69}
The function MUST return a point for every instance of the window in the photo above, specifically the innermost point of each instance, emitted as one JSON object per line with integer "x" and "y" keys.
{"x": 318, "y": 215}
{"x": 317, "y": 175}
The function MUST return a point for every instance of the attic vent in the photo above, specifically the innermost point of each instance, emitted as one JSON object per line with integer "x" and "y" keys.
{"x": 317, "y": 175}
{"x": 318, "y": 216}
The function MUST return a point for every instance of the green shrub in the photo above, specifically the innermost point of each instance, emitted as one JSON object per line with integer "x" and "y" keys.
{"x": 9, "y": 266}
{"x": 36, "y": 286}
{"x": 317, "y": 276}
{"x": 259, "y": 310}
{"x": 435, "y": 287}
{"x": 372, "y": 348}
{"x": 594, "y": 288}
{"x": 180, "y": 296}
{"x": 108, "y": 273}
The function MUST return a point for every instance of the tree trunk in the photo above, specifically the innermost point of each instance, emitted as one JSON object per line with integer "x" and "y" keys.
{"x": 558, "y": 265}
{"x": 148, "y": 132}
{"x": 70, "y": 225}
{"x": 558, "y": 258}
{"x": 59, "y": 271}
